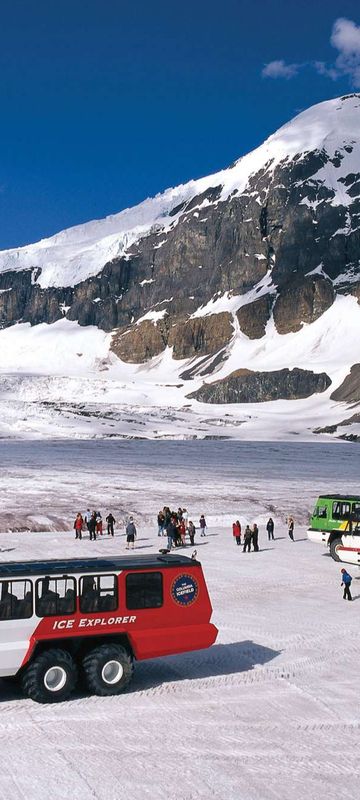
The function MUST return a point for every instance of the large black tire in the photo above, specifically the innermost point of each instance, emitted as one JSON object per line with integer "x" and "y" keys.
{"x": 108, "y": 669}
{"x": 51, "y": 677}
{"x": 333, "y": 548}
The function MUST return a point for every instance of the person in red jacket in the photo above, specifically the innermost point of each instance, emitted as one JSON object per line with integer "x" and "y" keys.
{"x": 78, "y": 526}
{"x": 237, "y": 531}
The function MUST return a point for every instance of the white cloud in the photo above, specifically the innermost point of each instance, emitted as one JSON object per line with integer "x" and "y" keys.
{"x": 278, "y": 69}
{"x": 323, "y": 69}
{"x": 345, "y": 38}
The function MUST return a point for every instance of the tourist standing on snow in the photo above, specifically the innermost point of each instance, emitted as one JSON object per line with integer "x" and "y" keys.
{"x": 78, "y": 526}
{"x": 191, "y": 530}
{"x": 171, "y": 533}
{"x": 99, "y": 523}
{"x": 130, "y": 534}
{"x": 92, "y": 525}
{"x": 255, "y": 537}
{"x": 110, "y": 524}
{"x": 202, "y": 523}
{"x": 346, "y": 583}
{"x": 247, "y": 540}
{"x": 237, "y": 531}
{"x": 182, "y": 532}
{"x": 87, "y": 517}
{"x": 161, "y": 523}
{"x": 291, "y": 525}
{"x": 270, "y": 528}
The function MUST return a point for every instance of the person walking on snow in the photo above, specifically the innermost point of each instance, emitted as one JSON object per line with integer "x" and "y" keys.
{"x": 237, "y": 532}
{"x": 346, "y": 583}
{"x": 247, "y": 539}
{"x": 110, "y": 524}
{"x": 78, "y": 526}
{"x": 291, "y": 528}
{"x": 202, "y": 523}
{"x": 270, "y": 528}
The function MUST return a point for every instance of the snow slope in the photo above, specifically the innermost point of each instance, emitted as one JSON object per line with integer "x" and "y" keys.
{"x": 61, "y": 380}
{"x": 80, "y": 252}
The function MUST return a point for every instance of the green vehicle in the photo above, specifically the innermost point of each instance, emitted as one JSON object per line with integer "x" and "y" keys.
{"x": 335, "y": 522}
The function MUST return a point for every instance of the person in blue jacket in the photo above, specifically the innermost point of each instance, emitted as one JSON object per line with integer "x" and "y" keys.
{"x": 346, "y": 583}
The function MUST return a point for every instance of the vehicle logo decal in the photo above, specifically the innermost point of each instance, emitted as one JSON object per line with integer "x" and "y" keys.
{"x": 184, "y": 590}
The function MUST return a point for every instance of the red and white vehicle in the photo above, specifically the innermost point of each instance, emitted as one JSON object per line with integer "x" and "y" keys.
{"x": 96, "y": 616}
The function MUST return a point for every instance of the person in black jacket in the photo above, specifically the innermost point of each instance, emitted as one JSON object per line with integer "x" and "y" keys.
{"x": 270, "y": 528}
{"x": 255, "y": 537}
{"x": 110, "y": 524}
{"x": 247, "y": 539}
{"x": 171, "y": 534}
{"x": 92, "y": 525}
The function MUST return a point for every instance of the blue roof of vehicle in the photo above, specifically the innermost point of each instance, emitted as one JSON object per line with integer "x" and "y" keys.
{"x": 13, "y": 569}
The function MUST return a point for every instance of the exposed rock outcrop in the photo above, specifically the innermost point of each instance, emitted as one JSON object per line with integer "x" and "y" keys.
{"x": 139, "y": 343}
{"x": 201, "y": 336}
{"x": 349, "y": 390}
{"x": 254, "y": 316}
{"x": 302, "y": 301}
{"x": 245, "y": 386}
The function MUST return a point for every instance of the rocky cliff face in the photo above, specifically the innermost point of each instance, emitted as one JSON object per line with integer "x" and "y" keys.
{"x": 271, "y": 241}
{"x": 246, "y": 386}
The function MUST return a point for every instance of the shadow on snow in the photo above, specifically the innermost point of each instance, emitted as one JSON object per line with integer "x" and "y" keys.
{"x": 218, "y": 660}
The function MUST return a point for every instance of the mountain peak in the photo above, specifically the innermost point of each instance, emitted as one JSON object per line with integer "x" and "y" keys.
{"x": 75, "y": 254}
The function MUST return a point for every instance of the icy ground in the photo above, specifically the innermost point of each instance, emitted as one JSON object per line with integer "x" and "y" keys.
{"x": 271, "y": 712}
{"x": 43, "y": 484}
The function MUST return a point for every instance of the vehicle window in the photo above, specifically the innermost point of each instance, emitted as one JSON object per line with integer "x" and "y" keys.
{"x": 341, "y": 510}
{"x": 356, "y": 512}
{"x": 320, "y": 511}
{"x": 16, "y": 599}
{"x": 98, "y": 593}
{"x": 144, "y": 590}
{"x": 55, "y": 596}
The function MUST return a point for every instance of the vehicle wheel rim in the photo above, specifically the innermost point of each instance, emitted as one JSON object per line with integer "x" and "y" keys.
{"x": 55, "y": 679}
{"x": 112, "y": 672}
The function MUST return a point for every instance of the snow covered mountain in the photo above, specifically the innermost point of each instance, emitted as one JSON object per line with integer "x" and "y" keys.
{"x": 242, "y": 288}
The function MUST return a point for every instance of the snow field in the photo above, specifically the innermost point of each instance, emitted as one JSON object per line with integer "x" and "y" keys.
{"x": 261, "y": 714}
{"x": 268, "y": 713}
{"x": 80, "y": 370}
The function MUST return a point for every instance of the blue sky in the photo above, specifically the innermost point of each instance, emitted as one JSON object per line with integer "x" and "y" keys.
{"x": 105, "y": 102}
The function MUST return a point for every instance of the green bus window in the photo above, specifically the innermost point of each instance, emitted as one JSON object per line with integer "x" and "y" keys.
{"x": 321, "y": 512}
{"x": 341, "y": 510}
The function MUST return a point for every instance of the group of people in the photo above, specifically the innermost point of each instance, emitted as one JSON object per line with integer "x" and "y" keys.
{"x": 251, "y": 534}
{"x": 92, "y": 521}
{"x": 176, "y": 525}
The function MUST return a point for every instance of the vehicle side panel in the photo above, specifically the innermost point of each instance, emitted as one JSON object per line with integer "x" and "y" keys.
{"x": 173, "y": 628}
